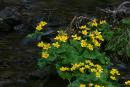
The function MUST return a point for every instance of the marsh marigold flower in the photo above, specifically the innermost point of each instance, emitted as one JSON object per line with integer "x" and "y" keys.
{"x": 40, "y": 44}
{"x": 64, "y": 69}
{"x": 46, "y": 46}
{"x": 56, "y": 44}
{"x": 61, "y": 37}
{"x": 96, "y": 43}
{"x": 114, "y": 72}
{"x": 75, "y": 37}
{"x": 83, "y": 43}
{"x": 82, "y": 69}
{"x": 40, "y": 25}
{"x": 127, "y": 83}
{"x": 90, "y": 47}
{"x": 97, "y": 86}
{"x": 94, "y": 23}
{"x": 90, "y": 84}
{"x": 45, "y": 55}
{"x": 82, "y": 85}
{"x": 84, "y": 32}
{"x": 83, "y": 27}
{"x": 113, "y": 77}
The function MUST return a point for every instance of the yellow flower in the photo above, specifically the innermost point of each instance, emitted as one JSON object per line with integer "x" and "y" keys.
{"x": 93, "y": 70}
{"x": 99, "y": 68}
{"x": 87, "y": 66}
{"x": 42, "y": 23}
{"x": 64, "y": 69}
{"x": 40, "y": 44}
{"x": 102, "y": 22}
{"x": 97, "y": 74}
{"x": 57, "y": 38}
{"x": 82, "y": 85}
{"x": 45, "y": 55}
{"x": 91, "y": 35}
{"x": 38, "y": 27}
{"x": 90, "y": 47}
{"x": 84, "y": 32}
{"x": 91, "y": 64}
{"x": 96, "y": 43}
{"x": 83, "y": 43}
{"x": 97, "y": 86}
{"x": 82, "y": 69}
{"x": 88, "y": 61}
{"x": 113, "y": 77}
{"x": 127, "y": 83}
{"x": 83, "y": 27}
{"x": 46, "y": 46}
{"x": 81, "y": 64}
{"x": 90, "y": 84}
{"x": 73, "y": 68}
{"x": 100, "y": 37}
{"x": 62, "y": 38}
{"x": 97, "y": 32}
{"x": 114, "y": 72}
{"x": 94, "y": 22}
{"x": 56, "y": 44}
{"x": 75, "y": 37}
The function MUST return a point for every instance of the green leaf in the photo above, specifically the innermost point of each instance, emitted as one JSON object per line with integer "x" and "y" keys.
{"x": 126, "y": 21}
{"x": 41, "y": 63}
{"x": 128, "y": 51}
{"x": 33, "y": 37}
{"x": 65, "y": 75}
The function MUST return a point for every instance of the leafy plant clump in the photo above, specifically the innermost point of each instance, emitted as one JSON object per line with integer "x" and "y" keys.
{"x": 79, "y": 57}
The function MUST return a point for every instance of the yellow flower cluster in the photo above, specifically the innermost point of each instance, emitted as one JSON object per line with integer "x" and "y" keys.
{"x": 85, "y": 44}
{"x": 127, "y": 83}
{"x": 96, "y": 37}
{"x": 114, "y": 73}
{"x": 84, "y": 29}
{"x": 40, "y": 25}
{"x": 83, "y": 66}
{"x": 45, "y": 46}
{"x": 64, "y": 69}
{"x": 95, "y": 23}
{"x": 90, "y": 85}
{"x": 62, "y": 36}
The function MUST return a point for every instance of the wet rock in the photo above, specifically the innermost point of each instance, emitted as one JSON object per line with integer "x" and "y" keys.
{"x": 9, "y": 17}
{"x": 9, "y": 12}
{"x": 20, "y": 28}
{"x": 4, "y": 82}
{"x": 42, "y": 74}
